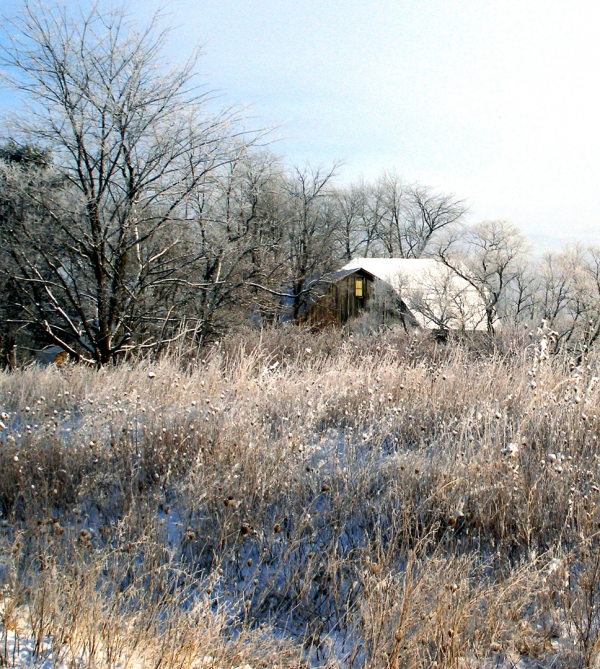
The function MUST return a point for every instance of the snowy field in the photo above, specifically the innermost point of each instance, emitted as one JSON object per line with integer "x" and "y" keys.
{"x": 307, "y": 501}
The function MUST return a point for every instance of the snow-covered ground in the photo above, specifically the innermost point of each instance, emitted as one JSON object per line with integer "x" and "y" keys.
{"x": 21, "y": 650}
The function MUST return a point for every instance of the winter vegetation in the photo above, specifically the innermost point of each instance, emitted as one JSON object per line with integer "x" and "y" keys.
{"x": 199, "y": 480}
{"x": 359, "y": 502}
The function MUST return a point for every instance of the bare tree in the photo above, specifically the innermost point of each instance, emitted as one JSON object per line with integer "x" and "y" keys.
{"x": 402, "y": 220}
{"x": 310, "y": 228}
{"x": 445, "y": 300}
{"x": 554, "y": 290}
{"x": 428, "y": 214}
{"x": 389, "y": 212}
{"x": 568, "y": 294}
{"x": 488, "y": 256}
{"x": 133, "y": 141}
{"x": 519, "y": 303}
{"x": 237, "y": 233}
{"x": 592, "y": 270}
{"x": 354, "y": 236}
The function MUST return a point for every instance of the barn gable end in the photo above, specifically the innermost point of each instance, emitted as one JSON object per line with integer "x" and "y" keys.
{"x": 345, "y": 295}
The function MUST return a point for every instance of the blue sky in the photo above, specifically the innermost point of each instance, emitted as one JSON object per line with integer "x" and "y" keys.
{"x": 494, "y": 100}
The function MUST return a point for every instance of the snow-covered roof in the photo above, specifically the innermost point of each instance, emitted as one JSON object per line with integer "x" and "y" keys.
{"x": 391, "y": 270}
{"x": 433, "y": 292}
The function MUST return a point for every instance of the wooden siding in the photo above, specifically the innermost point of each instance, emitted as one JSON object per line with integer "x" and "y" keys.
{"x": 339, "y": 302}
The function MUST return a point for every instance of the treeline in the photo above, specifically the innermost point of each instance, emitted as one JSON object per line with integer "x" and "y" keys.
{"x": 131, "y": 214}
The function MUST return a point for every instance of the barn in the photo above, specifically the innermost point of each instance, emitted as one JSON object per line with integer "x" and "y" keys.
{"x": 348, "y": 294}
{"x": 413, "y": 292}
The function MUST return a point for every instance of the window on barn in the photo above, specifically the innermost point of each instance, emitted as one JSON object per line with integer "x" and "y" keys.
{"x": 359, "y": 286}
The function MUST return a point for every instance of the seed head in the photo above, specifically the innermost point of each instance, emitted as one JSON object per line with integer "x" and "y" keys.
{"x": 511, "y": 450}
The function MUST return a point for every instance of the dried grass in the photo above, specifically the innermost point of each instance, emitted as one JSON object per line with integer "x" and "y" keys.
{"x": 292, "y": 498}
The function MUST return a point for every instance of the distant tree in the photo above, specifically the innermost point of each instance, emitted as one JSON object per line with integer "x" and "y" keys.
{"x": 309, "y": 232}
{"x": 446, "y": 301}
{"x": 26, "y": 155}
{"x": 489, "y": 257}
{"x": 428, "y": 214}
{"x": 388, "y": 207}
{"x": 236, "y": 231}
{"x": 353, "y": 235}
{"x": 132, "y": 141}
{"x": 395, "y": 219}
{"x": 568, "y": 294}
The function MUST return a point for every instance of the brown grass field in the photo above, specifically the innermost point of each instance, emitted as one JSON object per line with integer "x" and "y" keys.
{"x": 295, "y": 499}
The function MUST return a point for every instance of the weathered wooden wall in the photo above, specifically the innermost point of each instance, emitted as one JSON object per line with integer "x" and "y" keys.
{"x": 339, "y": 302}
